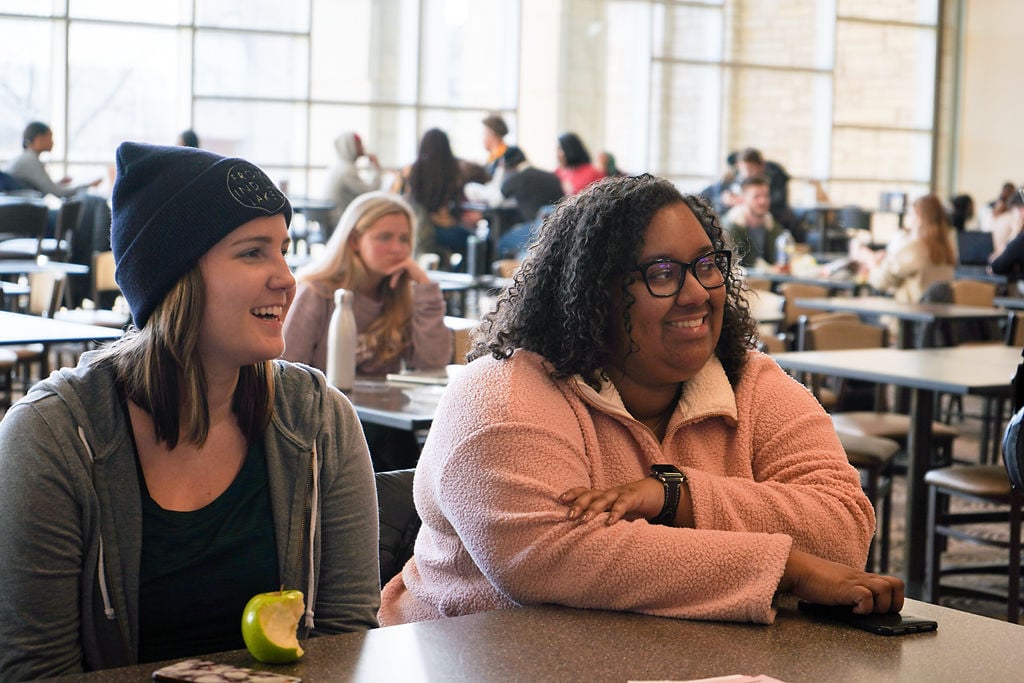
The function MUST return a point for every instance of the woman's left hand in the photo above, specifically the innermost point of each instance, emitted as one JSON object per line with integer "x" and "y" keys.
{"x": 645, "y": 497}
{"x": 410, "y": 266}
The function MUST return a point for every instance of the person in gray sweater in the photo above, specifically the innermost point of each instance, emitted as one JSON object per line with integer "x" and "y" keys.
{"x": 147, "y": 494}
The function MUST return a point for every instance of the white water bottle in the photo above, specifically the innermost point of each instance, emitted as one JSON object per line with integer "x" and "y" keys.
{"x": 784, "y": 248}
{"x": 341, "y": 342}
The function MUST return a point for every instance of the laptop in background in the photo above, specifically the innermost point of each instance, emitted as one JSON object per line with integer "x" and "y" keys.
{"x": 974, "y": 247}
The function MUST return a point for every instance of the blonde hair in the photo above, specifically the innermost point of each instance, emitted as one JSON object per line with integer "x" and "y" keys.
{"x": 387, "y": 337}
{"x": 934, "y": 229}
{"x": 160, "y": 369}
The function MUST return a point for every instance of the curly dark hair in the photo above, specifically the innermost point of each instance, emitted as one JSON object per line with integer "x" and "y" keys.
{"x": 560, "y": 301}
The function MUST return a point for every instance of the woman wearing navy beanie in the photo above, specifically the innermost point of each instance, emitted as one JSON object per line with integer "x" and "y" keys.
{"x": 148, "y": 493}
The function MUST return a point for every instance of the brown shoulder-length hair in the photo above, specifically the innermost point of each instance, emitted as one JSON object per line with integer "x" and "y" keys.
{"x": 160, "y": 370}
{"x": 934, "y": 230}
{"x": 561, "y": 299}
{"x": 389, "y": 335}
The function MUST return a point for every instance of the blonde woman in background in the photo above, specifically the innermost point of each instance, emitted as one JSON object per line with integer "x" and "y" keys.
{"x": 925, "y": 256}
{"x": 399, "y": 311}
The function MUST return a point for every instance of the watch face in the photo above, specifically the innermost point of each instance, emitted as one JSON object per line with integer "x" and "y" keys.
{"x": 666, "y": 472}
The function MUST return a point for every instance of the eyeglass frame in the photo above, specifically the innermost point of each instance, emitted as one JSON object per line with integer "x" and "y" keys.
{"x": 690, "y": 267}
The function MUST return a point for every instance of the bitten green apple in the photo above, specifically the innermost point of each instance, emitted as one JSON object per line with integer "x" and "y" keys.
{"x": 270, "y": 626}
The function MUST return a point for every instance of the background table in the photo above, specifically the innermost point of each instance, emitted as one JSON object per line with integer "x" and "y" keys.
{"x": 558, "y": 644}
{"x": 16, "y": 328}
{"x": 26, "y": 266}
{"x": 908, "y": 314}
{"x": 400, "y": 405}
{"x": 983, "y": 370}
{"x": 834, "y": 284}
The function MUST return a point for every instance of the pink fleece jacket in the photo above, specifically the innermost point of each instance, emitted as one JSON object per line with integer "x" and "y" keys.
{"x": 308, "y": 320}
{"x": 765, "y": 471}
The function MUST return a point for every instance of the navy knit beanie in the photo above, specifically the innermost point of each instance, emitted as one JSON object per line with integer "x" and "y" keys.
{"x": 170, "y": 206}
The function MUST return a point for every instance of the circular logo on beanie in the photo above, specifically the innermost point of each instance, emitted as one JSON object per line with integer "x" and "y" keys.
{"x": 251, "y": 187}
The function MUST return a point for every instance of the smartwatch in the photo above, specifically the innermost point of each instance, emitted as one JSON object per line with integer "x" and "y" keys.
{"x": 672, "y": 479}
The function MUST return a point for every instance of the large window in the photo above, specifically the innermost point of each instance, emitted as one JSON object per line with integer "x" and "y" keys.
{"x": 839, "y": 91}
{"x": 274, "y": 82}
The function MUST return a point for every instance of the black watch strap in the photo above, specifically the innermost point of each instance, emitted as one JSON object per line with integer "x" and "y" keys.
{"x": 672, "y": 479}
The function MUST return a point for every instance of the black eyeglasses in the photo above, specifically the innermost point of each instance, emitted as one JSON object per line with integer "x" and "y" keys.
{"x": 664, "y": 277}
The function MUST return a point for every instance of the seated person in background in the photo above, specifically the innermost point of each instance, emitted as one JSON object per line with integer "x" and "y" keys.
{"x": 1004, "y": 226}
{"x": 961, "y": 215}
{"x": 149, "y": 493}
{"x": 990, "y": 210}
{"x": 433, "y": 184}
{"x": 399, "y": 311}
{"x": 28, "y": 169}
{"x": 750, "y": 162}
{"x": 495, "y": 130}
{"x": 719, "y": 191}
{"x": 1010, "y": 261}
{"x": 344, "y": 182}
{"x": 911, "y": 264}
{"x": 750, "y": 227}
{"x": 534, "y": 190}
{"x": 606, "y": 164}
{"x": 624, "y": 344}
{"x": 188, "y": 138}
{"x": 574, "y": 167}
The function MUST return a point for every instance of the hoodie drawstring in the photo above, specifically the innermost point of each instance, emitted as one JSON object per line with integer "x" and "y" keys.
{"x": 108, "y": 609}
{"x": 314, "y": 506}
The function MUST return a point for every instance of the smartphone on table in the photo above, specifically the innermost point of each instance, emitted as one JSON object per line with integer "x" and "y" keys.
{"x": 890, "y": 624}
{"x": 192, "y": 670}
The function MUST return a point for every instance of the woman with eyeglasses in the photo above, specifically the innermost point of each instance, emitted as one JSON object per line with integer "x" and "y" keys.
{"x": 616, "y": 444}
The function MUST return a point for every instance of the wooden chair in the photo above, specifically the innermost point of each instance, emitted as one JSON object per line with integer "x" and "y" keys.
{"x": 791, "y": 291}
{"x": 832, "y": 331}
{"x": 874, "y": 457}
{"x": 977, "y": 293}
{"x": 760, "y": 284}
{"x": 839, "y": 334}
{"x": 103, "y": 280}
{"x": 46, "y": 290}
{"x": 989, "y": 485}
{"x": 460, "y": 328}
{"x": 505, "y": 267}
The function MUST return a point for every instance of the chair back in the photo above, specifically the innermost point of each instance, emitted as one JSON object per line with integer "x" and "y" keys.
{"x": 973, "y": 292}
{"x": 23, "y": 219}
{"x": 838, "y": 332}
{"x": 68, "y": 218}
{"x": 460, "y": 327}
{"x": 103, "y": 275}
{"x": 399, "y": 521}
{"x": 841, "y": 334}
{"x": 505, "y": 267}
{"x": 46, "y": 290}
{"x": 759, "y": 283}
{"x": 791, "y": 291}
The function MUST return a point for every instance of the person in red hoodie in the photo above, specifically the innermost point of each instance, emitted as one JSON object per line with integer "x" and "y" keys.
{"x": 575, "y": 169}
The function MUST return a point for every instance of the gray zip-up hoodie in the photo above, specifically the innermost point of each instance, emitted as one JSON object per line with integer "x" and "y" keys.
{"x": 71, "y": 520}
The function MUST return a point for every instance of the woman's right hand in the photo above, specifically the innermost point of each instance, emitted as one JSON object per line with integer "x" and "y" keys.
{"x": 409, "y": 267}
{"x": 829, "y": 583}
